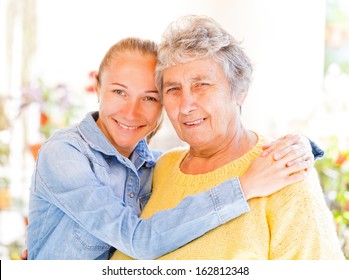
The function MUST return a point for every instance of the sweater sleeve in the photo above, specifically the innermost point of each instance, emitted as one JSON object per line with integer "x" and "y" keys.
{"x": 71, "y": 185}
{"x": 301, "y": 225}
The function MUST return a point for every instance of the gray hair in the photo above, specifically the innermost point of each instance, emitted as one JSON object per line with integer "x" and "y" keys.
{"x": 194, "y": 37}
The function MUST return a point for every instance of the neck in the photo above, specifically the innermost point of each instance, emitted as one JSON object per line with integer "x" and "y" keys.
{"x": 126, "y": 152}
{"x": 200, "y": 161}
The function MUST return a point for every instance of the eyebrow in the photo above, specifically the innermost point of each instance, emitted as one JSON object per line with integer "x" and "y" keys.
{"x": 200, "y": 78}
{"x": 193, "y": 79}
{"x": 170, "y": 84}
{"x": 122, "y": 85}
{"x": 119, "y": 84}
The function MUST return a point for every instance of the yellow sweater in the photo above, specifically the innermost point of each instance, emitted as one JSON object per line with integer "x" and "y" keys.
{"x": 293, "y": 223}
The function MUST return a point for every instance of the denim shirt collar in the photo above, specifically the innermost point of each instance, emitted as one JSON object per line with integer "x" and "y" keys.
{"x": 96, "y": 139}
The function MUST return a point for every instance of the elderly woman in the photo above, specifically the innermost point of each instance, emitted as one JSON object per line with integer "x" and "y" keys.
{"x": 204, "y": 76}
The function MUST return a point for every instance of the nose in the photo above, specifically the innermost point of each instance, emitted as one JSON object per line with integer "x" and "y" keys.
{"x": 131, "y": 110}
{"x": 187, "y": 102}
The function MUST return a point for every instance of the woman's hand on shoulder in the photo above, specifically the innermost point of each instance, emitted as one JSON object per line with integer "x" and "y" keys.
{"x": 296, "y": 148}
{"x": 283, "y": 162}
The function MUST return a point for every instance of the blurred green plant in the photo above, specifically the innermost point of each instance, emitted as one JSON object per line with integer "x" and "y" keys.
{"x": 4, "y": 121}
{"x": 337, "y": 35}
{"x": 4, "y": 152}
{"x": 5, "y": 199}
{"x": 333, "y": 172}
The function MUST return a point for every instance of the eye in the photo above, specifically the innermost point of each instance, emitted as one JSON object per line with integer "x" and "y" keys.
{"x": 150, "y": 98}
{"x": 172, "y": 89}
{"x": 119, "y": 92}
{"x": 201, "y": 84}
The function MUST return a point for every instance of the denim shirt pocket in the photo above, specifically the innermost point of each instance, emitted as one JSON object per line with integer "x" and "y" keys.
{"x": 87, "y": 241}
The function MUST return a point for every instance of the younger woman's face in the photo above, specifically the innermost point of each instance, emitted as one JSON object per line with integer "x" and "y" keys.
{"x": 129, "y": 102}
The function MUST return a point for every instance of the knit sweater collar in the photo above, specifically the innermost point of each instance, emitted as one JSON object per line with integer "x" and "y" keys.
{"x": 240, "y": 163}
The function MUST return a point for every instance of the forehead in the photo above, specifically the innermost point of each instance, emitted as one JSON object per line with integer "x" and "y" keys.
{"x": 136, "y": 72}
{"x": 132, "y": 58}
{"x": 205, "y": 68}
{"x": 131, "y": 63}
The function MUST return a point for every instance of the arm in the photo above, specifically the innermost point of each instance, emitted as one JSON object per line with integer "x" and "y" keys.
{"x": 301, "y": 225}
{"x": 95, "y": 207}
{"x": 316, "y": 150}
{"x": 105, "y": 215}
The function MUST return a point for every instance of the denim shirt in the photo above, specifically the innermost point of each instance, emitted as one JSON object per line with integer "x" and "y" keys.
{"x": 85, "y": 199}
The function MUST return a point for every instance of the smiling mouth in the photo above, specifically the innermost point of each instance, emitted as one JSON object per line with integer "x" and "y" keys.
{"x": 196, "y": 122}
{"x": 126, "y": 127}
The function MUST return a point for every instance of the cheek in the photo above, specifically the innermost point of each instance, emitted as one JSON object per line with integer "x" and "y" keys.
{"x": 172, "y": 116}
{"x": 103, "y": 102}
{"x": 170, "y": 108}
{"x": 104, "y": 109}
{"x": 110, "y": 105}
{"x": 154, "y": 115}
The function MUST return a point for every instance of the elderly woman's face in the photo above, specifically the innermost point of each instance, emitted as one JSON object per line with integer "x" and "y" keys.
{"x": 199, "y": 103}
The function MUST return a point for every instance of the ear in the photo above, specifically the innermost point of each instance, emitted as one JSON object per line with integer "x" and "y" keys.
{"x": 96, "y": 84}
{"x": 240, "y": 98}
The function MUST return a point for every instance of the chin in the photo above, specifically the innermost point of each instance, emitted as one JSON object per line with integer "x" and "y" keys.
{"x": 197, "y": 143}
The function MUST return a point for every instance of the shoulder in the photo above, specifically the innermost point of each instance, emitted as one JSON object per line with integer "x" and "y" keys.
{"x": 173, "y": 154}
{"x": 63, "y": 160}
{"x": 263, "y": 139}
{"x": 156, "y": 154}
{"x": 63, "y": 144}
{"x": 170, "y": 158}
{"x": 304, "y": 196}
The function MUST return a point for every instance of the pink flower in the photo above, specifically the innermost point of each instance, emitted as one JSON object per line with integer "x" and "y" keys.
{"x": 90, "y": 88}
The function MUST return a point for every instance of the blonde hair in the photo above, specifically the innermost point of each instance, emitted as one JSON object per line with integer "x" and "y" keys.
{"x": 130, "y": 44}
